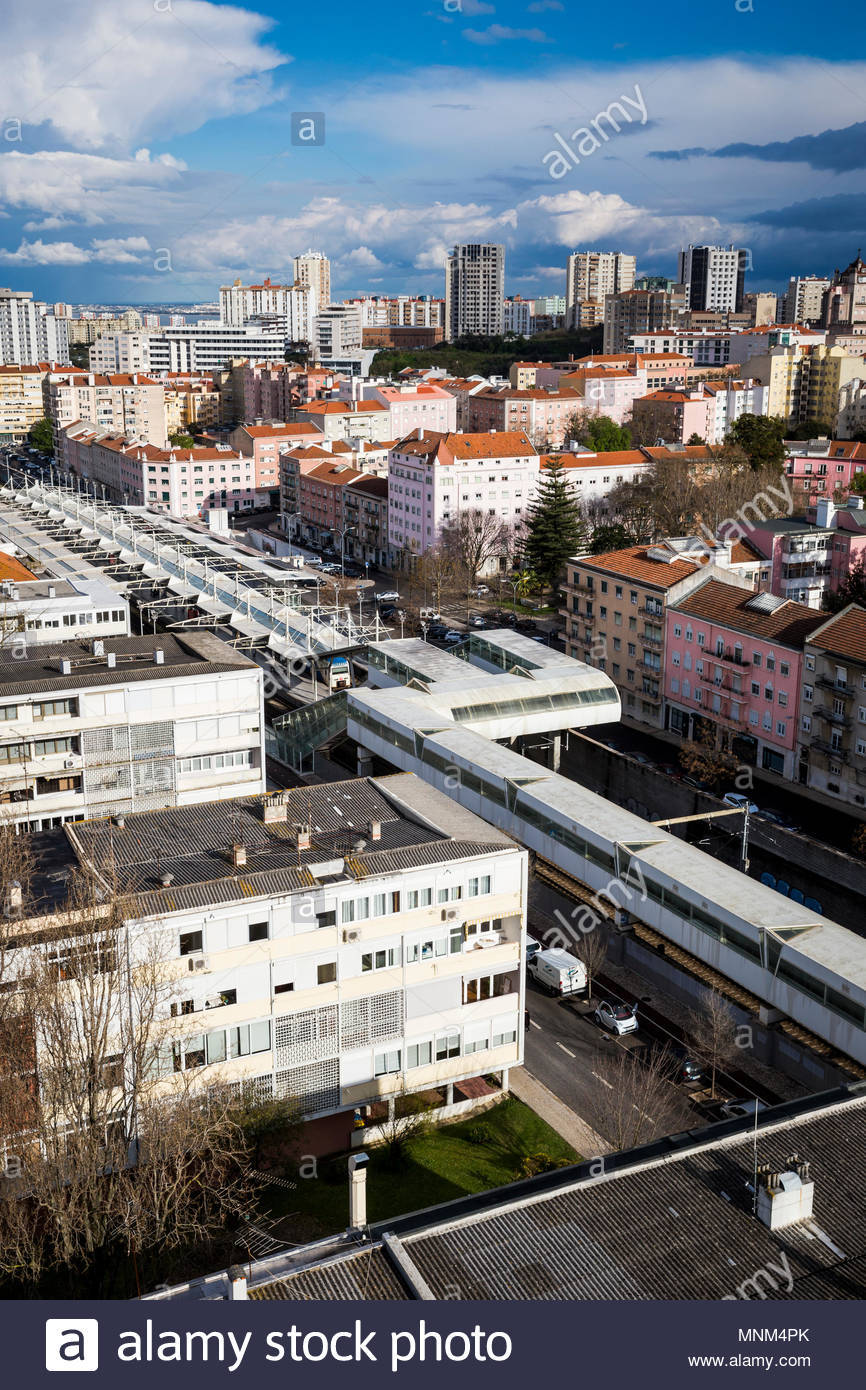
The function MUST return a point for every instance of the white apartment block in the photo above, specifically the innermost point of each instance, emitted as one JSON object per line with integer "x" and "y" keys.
{"x": 336, "y": 945}
{"x": 474, "y": 290}
{"x": 402, "y": 310}
{"x": 29, "y": 331}
{"x": 590, "y": 275}
{"x": 803, "y": 301}
{"x": 119, "y": 724}
{"x": 290, "y": 308}
{"x": 733, "y": 399}
{"x": 713, "y": 277}
{"x": 337, "y": 333}
{"x": 129, "y": 403}
{"x": 38, "y": 611}
{"x": 313, "y": 269}
{"x": 199, "y": 347}
{"x": 518, "y": 316}
{"x": 130, "y": 352}
{"x": 433, "y": 479}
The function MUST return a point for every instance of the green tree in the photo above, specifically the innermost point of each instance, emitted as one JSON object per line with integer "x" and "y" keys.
{"x": 597, "y": 432}
{"x": 858, "y": 482}
{"x": 851, "y": 590}
{"x": 42, "y": 435}
{"x": 611, "y": 536}
{"x": 554, "y": 527}
{"x": 181, "y": 440}
{"x": 695, "y": 438}
{"x": 763, "y": 439}
{"x": 811, "y": 429}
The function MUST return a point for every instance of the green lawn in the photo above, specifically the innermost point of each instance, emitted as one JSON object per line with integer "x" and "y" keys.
{"x": 479, "y": 1153}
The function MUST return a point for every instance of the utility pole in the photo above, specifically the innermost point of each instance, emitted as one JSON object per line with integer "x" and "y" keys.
{"x": 744, "y": 852}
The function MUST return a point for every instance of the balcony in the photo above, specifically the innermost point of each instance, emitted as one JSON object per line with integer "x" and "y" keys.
{"x": 725, "y": 685}
{"x": 839, "y": 688}
{"x": 655, "y": 642}
{"x": 653, "y": 610}
{"x": 728, "y": 657}
{"x": 832, "y": 716}
{"x": 828, "y": 750}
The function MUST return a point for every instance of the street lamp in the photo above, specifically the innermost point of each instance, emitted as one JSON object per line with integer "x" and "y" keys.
{"x": 343, "y": 534}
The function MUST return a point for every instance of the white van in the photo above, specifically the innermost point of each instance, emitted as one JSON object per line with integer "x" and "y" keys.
{"x": 558, "y": 971}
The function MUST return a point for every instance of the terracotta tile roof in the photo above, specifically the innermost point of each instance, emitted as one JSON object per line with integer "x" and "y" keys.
{"x": 634, "y": 563}
{"x": 272, "y": 431}
{"x": 482, "y": 445}
{"x": 728, "y": 606}
{"x": 617, "y": 458}
{"x": 334, "y": 472}
{"x": 844, "y": 634}
{"x": 10, "y": 568}
{"x": 371, "y": 484}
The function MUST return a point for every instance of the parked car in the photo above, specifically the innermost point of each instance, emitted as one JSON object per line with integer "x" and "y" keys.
{"x": 557, "y": 971}
{"x": 738, "y": 1109}
{"x": 527, "y": 625}
{"x": 452, "y": 637}
{"x": 438, "y": 631}
{"x": 670, "y": 771}
{"x": 538, "y": 637}
{"x": 642, "y": 759}
{"x": 616, "y": 1018}
{"x": 684, "y": 1067}
{"x": 740, "y": 802}
{"x": 479, "y": 591}
{"x": 478, "y": 622}
{"x": 697, "y": 782}
{"x": 389, "y": 596}
{"x": 778, "y": 818}
{"x": 387, "y": 610}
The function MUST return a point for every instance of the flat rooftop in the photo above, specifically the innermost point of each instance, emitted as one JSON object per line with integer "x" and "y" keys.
{"x": 187, "y": 654}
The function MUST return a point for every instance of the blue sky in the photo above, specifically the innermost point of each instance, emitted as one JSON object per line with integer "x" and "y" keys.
{"x": 148, "y": 155}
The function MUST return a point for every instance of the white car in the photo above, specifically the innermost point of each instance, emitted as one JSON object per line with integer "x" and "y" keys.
{"x": 739, "y": 1109}
{"x": 453, "y": 637}
{"x": 479, "y": 590}
{"x": 740, "y": 802}
{"x": 616, "y": 1018}
{"x": 390, "y": 596}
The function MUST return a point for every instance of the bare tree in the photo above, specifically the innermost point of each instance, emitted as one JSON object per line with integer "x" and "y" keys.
{"x": 439, "y": 571}
{"x": 474, "y": 538}
{"x": 591, "y": 948}
{"x": 628, "y": 1103}
{"x": 713, "y": 1031}
{"x": 407, "y": 1120}
{"x": 109, "y": 1148}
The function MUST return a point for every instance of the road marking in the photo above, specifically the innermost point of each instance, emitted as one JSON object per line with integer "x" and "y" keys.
{"x": 533, "y": 1024}
{"x": 602, "y": 1080}
{"x": 566, "y": 1049}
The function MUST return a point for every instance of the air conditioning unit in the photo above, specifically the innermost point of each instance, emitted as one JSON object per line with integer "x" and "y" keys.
{"x": 68, "y": 762}
{"x": 450, "y": 915}
{"x": 196, "y": 964}
{"x": 352, "y": 934}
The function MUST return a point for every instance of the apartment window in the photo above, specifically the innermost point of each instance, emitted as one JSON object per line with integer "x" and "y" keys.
{"x": 756, "y": 689}
{"x": 326, "y": 919}
{"x": 809, "y": 663}
{"x": 783, "y": 699}
{"x": 781, "y": 728}
{"x": 617, "y": 591}
{"x": 190, "y": 942}
{"x": 701, "y": 638}
{"x": 604, "y": 586}
{"x": 49, "y": 709}
{"x": 807, "y": 723}
{"x": 326, "y": 974}
{"x": 386, "y": 1063}
{"x": 479, "y": 886}
{"x": 450, "y": 894}
{"x": 8, "y": 712}
{"x": 380, "y": 960}
{"x": 771, "y": 663}
{"x": 419, "y": 1054}
{"x": 632, "y": 595}
{"x": 756, "y": 658}
{"x": 258, "y": 931}
{"x": 784, "y": 668}
{"x": 447, "y": 1045}
{"x": 808, "y": 693}
{"x": 678, "y": 631}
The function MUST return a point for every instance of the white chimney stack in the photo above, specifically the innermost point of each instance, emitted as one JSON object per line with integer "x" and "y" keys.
{"x": 237, "y": 1284}
{"x": 358, "y": 1190}
{"x": 785, "y": 1198}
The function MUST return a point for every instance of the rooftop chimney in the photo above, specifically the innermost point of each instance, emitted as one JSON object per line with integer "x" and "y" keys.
{"x": 785, "y": 1198}
{"x": 303, "y": 837}
{"x": 358, "y": 1190}
{"x": 120, "y": 822}
{"x": 274, "y": 812}
{"x": 98, "y": 647}
{"x": 237, "y": 1284}
{"x": 239, "y": 856}
{"x": 66, "y": 667}
{"x": 52, "y": 591}
{"x": 110, "y": 660}
{"x": 375, "y": 830}
{"x": 159, "y": 656}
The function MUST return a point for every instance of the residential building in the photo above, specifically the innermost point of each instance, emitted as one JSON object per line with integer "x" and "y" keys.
{"x": 733, "y": 667}
{"x": 832, "y": 749}
{"x": 844, "y": 309}
{"x": 185, "y": 482}
{"x": 192, "y": 404}
{"x": 463, "y": 389}
{"x": 518, "y": 316}
{"x": 265, "y": 444}
{"x": 294, "y": 463}
{"x": 37, "y": 611}
{"x": 201, "y": 347}
{"x": 400, "y": 335}
{"x": 401, "y": 311}
{"x": 714, "y": 277}
{"x": 369, "y": 420}
{"x": 94, "y": 729}
{"x": 632, "y": 312}
{"x": 474, "y": 290}
{"x": 817, "y": 467}
{"x": 21, "y": 400}
{"x": 338, "y": 340}
{"x": 762, "y": 307}
{"x": 707, "y": 410}
{"x": 615, "y": 607}
{"x": 806, "y": 383}
{"x": 313, "y": 269}
{"x": 272, "y": 390}
{"x": 89, "y": 327}
{"x": 549, "y": 306}
{"x": 320, "y": 502}
{"x": 812, "y": 554}
{"x": 604, "y": 390}
{"x": 589, "y": 277}
{"x": 803, "y": 300}
{"x": 425, "y": 406}
{"x": 289, "y": 307}
{"x": 29, "y": 331}
{"x": 433, "y": 479}
{"x": 523, "y": 375}
{"x": 544, "y": 415}
{"x": 336, "y": 946}
{"x": 142, "y": 350}
{"x": 132, "y": 404}
{"x": 593, "y": 476}
{"x": 365, "y": 519}
{"x": 662, "y": 370}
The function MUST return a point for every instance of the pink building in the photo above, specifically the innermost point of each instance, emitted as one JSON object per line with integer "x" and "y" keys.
{"x": 422, "y": 406}
{"x": 543, "y": 415}
{"x": 817, "y": 467}
{"x": 677, "y": 415}
{"x": 808, "y": 554}
{"x": 344, "y": 420}
{"x": 265, "y": 443}
{"x": 733, "y": 668}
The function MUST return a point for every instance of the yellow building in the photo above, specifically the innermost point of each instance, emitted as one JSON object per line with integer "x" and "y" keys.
{"x": 21, "y": 400}
{"x": 805, "y": 383}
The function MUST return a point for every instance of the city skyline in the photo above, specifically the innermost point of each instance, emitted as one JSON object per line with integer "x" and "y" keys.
{"x": 215, "y": 170}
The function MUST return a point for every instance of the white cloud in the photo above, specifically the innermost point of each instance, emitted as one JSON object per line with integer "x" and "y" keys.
{"x": 110, "y": 251}
{"x": 500, "y": 33}
{"x": 129, "y": 69}
{"x": 83, "y": 187}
